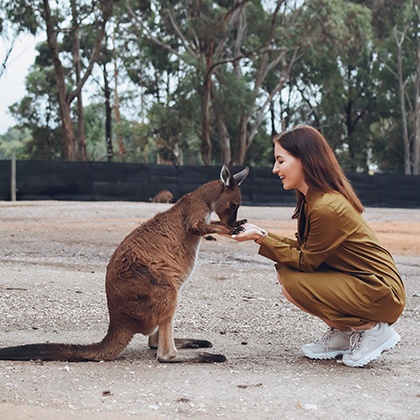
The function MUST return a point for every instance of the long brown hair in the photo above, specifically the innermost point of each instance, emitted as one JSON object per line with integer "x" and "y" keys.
{"x": 321, "y": 168}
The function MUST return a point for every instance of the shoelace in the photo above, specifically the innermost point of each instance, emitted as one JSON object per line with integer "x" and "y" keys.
{"x": 356, "y": 340}
{"x": 326, "y": 337}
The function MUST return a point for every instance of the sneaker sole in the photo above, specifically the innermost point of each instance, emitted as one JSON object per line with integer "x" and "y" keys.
{"x": 324, "y": 356}
{"x": 388, "y": 345}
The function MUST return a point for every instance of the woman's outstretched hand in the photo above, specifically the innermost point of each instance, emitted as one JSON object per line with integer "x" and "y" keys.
{"x": 250, "y": 233}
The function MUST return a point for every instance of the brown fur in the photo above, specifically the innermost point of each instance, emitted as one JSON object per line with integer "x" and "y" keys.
{"x": 145, "y": 274}
{"x": 164, "y": 196}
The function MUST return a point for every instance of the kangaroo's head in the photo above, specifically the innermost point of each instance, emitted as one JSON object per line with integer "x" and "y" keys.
{"x": 227, "y": 204}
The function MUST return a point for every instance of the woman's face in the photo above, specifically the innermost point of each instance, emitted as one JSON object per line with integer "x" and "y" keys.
{"x": 289, "y": 169}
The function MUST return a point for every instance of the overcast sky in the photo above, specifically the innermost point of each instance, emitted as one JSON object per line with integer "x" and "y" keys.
{"x": 12, "y": 82}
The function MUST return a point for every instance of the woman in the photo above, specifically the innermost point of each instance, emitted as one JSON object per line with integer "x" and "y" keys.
{"x": 336, "y": 269}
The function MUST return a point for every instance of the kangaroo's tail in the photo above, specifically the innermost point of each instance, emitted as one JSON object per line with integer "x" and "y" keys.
{"x": 109, "y": 348}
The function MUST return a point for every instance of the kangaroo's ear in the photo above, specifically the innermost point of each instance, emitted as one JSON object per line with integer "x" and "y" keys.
{"x": 225, "y": 176}
{"x": 240, "y": 176}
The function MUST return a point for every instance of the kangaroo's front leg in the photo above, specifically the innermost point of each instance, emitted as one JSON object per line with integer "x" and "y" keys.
{"x": 168, "y": 353}
{"x": 202, "y": 228}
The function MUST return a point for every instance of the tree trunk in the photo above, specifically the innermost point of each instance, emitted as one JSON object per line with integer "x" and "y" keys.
{"x": 268, "y": 60}
{"x": 80, "y": 144}
{"x": 206, "y": 149}
{"x": 81, "y": 152}
{"x": 108, "y": 117}
{"x": 68, "y": 133}
{"x": 349, "y": 128}
{"x": 272, "y": 119}
{"x": 401, "y": 87}
{"x": 65, "y": 97}
{"x": 240, "y": 155}
{"x": 416, "y": 139}
{"x": 120, "y": 143}
{"x": 206, "y": 146}
{"x": 224, "y": 138}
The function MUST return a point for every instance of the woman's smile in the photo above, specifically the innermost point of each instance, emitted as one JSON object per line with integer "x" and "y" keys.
{"x": 289, "y": 169}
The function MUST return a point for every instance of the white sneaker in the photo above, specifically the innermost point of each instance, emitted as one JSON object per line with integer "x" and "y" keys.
{"x": 332, "y": 344}
{"x": 367, "y": 345}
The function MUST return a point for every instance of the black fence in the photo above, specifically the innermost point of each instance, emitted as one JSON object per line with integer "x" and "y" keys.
{"x": 103, "y": 181}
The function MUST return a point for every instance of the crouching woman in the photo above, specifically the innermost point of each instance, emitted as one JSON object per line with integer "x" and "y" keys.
{"x": 336, "y": 268}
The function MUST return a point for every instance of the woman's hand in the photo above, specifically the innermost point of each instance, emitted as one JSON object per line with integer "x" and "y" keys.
{"x": 251, "y": 233}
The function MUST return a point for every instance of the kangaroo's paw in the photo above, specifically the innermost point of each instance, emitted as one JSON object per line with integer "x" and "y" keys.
{"x": 192, "y": 358}
{"x": 187, "y": 343}
{"x": 241, "y": 222}
{"x": 211, "y": 358}
{"x": 238, "y": 230}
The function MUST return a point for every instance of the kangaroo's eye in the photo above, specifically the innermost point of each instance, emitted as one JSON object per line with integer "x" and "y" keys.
{"x": 233, "y": 206}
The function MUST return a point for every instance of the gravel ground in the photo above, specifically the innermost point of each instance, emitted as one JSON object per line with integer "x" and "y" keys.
{"x": 53, "y": 257}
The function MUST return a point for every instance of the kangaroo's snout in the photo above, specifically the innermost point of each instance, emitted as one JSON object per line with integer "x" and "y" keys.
{"x": 232, "y": 219}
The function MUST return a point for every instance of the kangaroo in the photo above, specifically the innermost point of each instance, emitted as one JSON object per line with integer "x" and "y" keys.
{"x": 145, "y": 274}
{"x": 164, "y": 196}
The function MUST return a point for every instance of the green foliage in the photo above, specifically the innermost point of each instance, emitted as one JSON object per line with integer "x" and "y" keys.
{"x": 139, "y": 145}
{"x": 21, "y": 14}
{"x": 95, "y": 131}
{"x": 45, "y": 144}
{"x": 350, "y": 97}
{"x": 337, "y": 60}
{"x": 174, "y": 134}
{"x": 38, "y": 112}
{"x": 14, "y": 141}
{"x": 261, "y": 151}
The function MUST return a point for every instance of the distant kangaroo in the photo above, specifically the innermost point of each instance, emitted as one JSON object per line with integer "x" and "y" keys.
{"x": 164, "y": 196}
{"x": 145, "y": 274}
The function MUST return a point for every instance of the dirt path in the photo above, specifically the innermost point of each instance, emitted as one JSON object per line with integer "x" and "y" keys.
{"x": 53, "y": 257}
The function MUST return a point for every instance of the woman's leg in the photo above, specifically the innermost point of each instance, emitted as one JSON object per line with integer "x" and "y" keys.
{"x": 347, "y": 304}
{"x": 339, "y": 326}
{"x": 341, "y": 300}
{"x": 330, "y": 323}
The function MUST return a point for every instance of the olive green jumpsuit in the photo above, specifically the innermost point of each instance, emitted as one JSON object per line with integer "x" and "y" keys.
{"x": 336, "y": 269}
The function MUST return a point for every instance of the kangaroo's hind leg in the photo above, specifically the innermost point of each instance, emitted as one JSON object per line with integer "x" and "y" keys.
{"x": 168, "y": 353}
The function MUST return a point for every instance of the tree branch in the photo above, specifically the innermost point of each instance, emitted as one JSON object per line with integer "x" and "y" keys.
{"x": 147, "y": 34}
{"x": 106, "y": 14}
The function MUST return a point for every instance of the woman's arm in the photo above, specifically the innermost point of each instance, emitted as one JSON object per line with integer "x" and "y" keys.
{"x": 328, "y": 230}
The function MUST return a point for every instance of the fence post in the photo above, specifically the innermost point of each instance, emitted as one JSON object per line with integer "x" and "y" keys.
{"x": 13, "y": 178}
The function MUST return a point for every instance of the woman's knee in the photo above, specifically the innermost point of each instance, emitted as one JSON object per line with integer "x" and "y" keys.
{"x": 285, "y": 291}
{"x": 279, "y": 280}
{"x": 286, "y": 287}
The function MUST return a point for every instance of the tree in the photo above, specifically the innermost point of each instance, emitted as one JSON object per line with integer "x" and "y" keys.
{"x": 416, "y": 137}
{"x": 214, "y": 80}
{"x": 65, "y": 95}
{"x": 6, "y": 57}
{"x": 10, "y": 28}
{"x": 336, "y": 81}
{"x": 14, "y": 141}
{"x": 398, "y": 45}
{"x": 40, "y": 15}
{"x": 211, "y": 42}
{"x": 38, "y": 111}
